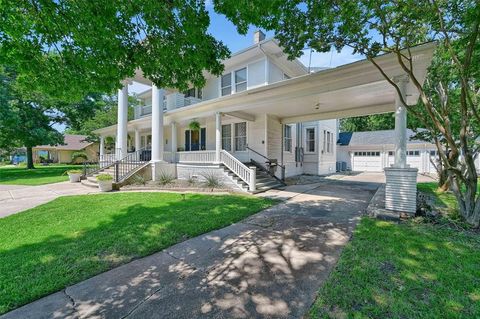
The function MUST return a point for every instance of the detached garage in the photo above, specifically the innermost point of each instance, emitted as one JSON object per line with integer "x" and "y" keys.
{"x": 373, "y": 151}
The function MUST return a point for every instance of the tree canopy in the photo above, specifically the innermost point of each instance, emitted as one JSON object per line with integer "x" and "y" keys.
{"x": 67, "y": 49}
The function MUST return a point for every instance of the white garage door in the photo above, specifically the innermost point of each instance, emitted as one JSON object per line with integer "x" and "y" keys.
{"x": 369, "y": 161}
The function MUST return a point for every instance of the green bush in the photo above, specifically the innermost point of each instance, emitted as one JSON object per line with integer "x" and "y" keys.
{"x": 138, "y": 179}
{"x": 73, "y": 171}
{"x": 212, "y": 180}
{"x": 165, "y": 178}
{"x": 79, "y": 155}
{"x": 104, "y": 177}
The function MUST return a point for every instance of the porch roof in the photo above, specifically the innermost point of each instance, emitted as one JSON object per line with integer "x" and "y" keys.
{"x": 350, "y": 90}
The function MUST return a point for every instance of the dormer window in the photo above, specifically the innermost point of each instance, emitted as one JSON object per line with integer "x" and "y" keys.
{"x": 241, "y": 80}
{"x": 226, "y": 84}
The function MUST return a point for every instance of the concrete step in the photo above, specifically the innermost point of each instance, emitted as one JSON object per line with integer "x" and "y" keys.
{"x": 86, "y": 182}
{"x": 92, "y": 179}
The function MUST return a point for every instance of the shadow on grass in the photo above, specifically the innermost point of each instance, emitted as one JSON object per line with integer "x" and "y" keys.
{"x": 404, "y": 271}
{"x": 32, "y": 270}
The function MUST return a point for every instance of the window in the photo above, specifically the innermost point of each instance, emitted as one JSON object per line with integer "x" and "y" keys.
{"x": 227, "y": 137}
{"x": 241, "y": 136}
{"x": 391, "y": 153}
{"x": 367, "y": 153}
{"x": 287, "y": 138}
{"x": 226, "y": 84}
{"x": 329, "y": 142}
{"x": 433, "y": 153}
{"x": 241, "y": 80}
{"x": 413, "y": 153}
{"x": 195, "y": 140}
{"x": 190, "y": 92}
{"x": 310, "y": 140}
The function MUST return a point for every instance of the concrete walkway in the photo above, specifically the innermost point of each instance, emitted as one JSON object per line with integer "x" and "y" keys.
{"x": 17, "y": 198}
{"x": 268, "y": 266}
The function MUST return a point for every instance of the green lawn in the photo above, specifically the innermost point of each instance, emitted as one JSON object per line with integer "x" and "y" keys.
{"x": 405, "y": 270}
{"x": 38, "y": 176}
{"x": 72, "y": 238}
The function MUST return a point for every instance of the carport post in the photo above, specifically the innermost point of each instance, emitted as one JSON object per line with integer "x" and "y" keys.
{"x": 401, "y": 180}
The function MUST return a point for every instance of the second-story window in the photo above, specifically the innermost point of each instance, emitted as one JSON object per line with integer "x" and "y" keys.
{"x": 226, "y": 84}
{"x": 241, "y": 80}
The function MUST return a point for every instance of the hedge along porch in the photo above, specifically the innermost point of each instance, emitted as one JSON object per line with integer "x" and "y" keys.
{"x": 351, "y": 90}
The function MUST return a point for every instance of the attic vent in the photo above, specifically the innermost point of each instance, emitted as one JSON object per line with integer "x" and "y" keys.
{"x": 258, "y": 36}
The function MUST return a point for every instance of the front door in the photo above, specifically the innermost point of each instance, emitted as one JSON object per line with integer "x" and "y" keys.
{"x": 195, "y": 140}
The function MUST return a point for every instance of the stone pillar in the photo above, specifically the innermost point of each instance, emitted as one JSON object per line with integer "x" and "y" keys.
{"x": 174, "y": 141}
{"x": 137, "y": 140}
{"x": 122, "y": 121}
{"x": 157, "y": 124}
{"x": 102, "y": 146}
{"x": 218, "y": 136}
{"x": 401, "y": 181}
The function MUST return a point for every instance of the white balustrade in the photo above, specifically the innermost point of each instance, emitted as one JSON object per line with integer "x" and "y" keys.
{"x": 247, "y": 174}
{"x": 196, "y": 157}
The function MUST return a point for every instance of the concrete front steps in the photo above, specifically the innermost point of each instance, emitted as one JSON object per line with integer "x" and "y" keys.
{"x": 91, "y": 181}
{"x": 264, "y": 183}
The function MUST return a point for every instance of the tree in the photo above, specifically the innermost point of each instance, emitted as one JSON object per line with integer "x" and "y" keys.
{"x": 105, "y": 114}
{"x": 374, "y": 27}
{"x": 67, "y": 49}
{"x": 368, "y": 123}
{"x": 24, "y": 122}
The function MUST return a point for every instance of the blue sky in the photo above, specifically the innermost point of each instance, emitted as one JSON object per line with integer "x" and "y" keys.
{"x": 225, "y": 31}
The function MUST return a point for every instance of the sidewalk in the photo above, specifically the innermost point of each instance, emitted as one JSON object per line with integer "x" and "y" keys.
{"x": 17, "y": 198}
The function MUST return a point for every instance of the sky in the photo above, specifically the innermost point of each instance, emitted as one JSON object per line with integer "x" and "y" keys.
{"x": 223, "y": 30}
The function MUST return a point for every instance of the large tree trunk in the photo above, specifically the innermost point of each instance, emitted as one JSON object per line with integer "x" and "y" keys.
{"x": 443, "y": 180}
{"x": 30, "y": 158}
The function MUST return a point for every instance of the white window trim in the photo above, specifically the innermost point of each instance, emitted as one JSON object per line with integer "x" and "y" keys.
{"x": 231, "y": 84}
{"x": 305, "y": 139}
{"x": 233, "y": 136}
{"x": 246, "y": 78}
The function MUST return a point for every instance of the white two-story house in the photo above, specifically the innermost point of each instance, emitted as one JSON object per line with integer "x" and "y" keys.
{"x": 265, "y": 113}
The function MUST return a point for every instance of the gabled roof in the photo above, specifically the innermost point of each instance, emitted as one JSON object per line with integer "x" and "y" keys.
{"x": 72, "y": 143}
{"x": 373, "y": 138}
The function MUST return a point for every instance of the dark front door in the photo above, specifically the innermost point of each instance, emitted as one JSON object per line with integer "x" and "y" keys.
{"x": 195, "y": 140}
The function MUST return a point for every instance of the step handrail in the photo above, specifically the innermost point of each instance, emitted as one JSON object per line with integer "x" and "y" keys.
{"x": 124, "y": 167}
{"x": 268, "y": 161}
{"x": 245, "y": 173}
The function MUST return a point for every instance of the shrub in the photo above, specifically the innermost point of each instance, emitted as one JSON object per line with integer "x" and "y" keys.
{"x": 139, "y": 179}
{"x": 165, "y": 178}
{"x": 192, "y": 180}
{"x": 79, "y": 155}
{"x": 212, "y": 180}
{"x": 104, "y": 177}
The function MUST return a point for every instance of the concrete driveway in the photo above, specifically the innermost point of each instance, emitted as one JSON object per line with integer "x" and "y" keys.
{"x": 17, "y": 198}
{"x": 267, "y": 266}
{"x": 375, "y": 177}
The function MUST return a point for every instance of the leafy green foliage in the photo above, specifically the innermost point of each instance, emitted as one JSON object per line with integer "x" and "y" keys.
{"x": 165, "y": 178}
{"x": 69, "y": 48}
{"x": 212, "y": 180}
{"x": 74, "y": 238}
{"x": 79, "y": 156}
{"x": 104, "y": 177}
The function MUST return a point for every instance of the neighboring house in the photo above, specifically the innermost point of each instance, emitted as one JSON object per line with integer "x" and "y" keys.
{"x": 63, "y": 153}
{"x": 265, "y": 108}
{"x": 375, "y": 150}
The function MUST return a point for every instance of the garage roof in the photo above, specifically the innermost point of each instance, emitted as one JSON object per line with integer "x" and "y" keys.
{"x": 71, "y": 143}
{"x": 373, "y": 138}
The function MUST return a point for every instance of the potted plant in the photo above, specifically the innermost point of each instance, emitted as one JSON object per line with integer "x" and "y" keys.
{"x": 105, "y": 182}
{"x": 194, "y": 125}
{"x": 74, "y": 175}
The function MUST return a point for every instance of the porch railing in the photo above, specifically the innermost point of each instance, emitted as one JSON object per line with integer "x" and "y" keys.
{"x": 247, "y": 174}
{"x": 129, "y": 164}
{"x": 196, "y": 157}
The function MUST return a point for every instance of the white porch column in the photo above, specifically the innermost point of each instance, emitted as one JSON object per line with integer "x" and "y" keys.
{"x": 401, "y": 180}
{"x": 218, "y": 136}
{"x": 137, "y": 139}
{"x": 174, "y": 141}
{"x": 102, "y": 146}
{"x": 401, "y": 124}
{"x": 122, "y": 119}
{"x": 157, "y": 124}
